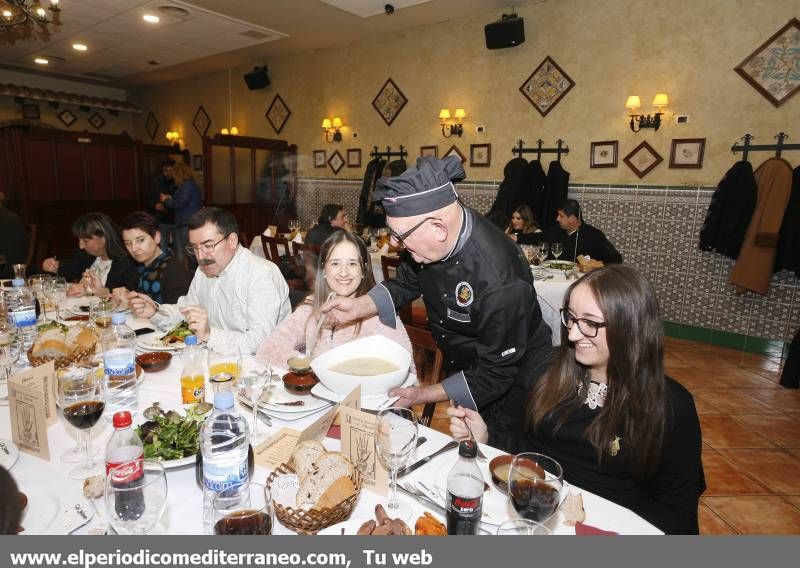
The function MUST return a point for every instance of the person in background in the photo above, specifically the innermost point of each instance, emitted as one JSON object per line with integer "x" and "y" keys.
{"x": 606, "y": 411}
{"x": 235, "y": 300}
{"x": 332, "y": 218}
{"x": 102, "y": 263}
{"x": 579, "y": 237}
{"x": 184, "y": 203}
{"x": 523, "y": 229}
{"x": 10, "y": 504}
{"x": 498, "y": 219}
{"x": 161, "y": 276}
{"x": 13, "y": 239}
{"x": 345, "y": 268}
{"x": 163, "y": 183}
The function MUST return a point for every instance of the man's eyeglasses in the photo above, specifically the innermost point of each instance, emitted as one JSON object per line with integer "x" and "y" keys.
{"x": 206, "y": 247}
{"x": 587, "y": 327}
{"x": 401, "y": 237}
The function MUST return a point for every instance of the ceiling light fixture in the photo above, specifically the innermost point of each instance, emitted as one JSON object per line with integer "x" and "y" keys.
{"x": 79, "y": 47}
{"x": 151, "y": 19}
{"x": 28, "y": 20}
{"x": 41, "y": 61}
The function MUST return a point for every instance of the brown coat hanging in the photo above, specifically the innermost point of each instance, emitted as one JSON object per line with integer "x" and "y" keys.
{"x": 753, "y": 268}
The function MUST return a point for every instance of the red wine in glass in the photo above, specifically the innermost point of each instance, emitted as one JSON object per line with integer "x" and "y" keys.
{"x": 534, "y": 500}
{"x": 245, "y": 522}
{"x": 84, "y": 415}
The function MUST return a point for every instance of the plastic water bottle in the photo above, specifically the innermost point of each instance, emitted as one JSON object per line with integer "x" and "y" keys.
{"x": 119, "y": 361}
{"x": 224, "y": 446}
{"x": 465, "y": 492}
{"x": 125, "y": 447}
{"x": 21, "y": 305}
{"x": 193, "y": 376}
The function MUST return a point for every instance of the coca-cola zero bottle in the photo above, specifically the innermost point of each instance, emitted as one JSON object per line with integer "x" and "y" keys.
{"x": 465, "y": 492}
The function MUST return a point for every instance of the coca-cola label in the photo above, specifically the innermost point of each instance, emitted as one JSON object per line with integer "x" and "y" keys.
{"x": 125, "y": 472}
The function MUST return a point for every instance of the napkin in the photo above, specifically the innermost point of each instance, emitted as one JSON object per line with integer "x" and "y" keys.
{"x": 298, "y": 238}
{"x": 588, "y": 530}
{"x": 384, "y": 249}
{"x": 268, "y": 232}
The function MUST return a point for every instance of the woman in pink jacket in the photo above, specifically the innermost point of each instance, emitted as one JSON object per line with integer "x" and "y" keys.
{"x": 345, "y": 269}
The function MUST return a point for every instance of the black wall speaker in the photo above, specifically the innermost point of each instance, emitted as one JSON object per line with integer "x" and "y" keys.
{"x": 257, "y": 78}
{"x": 508, "y": 32}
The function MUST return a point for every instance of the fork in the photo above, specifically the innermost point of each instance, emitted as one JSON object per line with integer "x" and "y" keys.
{"x": 481, "y": 455}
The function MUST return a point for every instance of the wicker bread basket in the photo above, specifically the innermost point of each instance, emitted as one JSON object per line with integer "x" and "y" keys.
{"x": 314, "y": 520}
{"x": 76, "y": 356}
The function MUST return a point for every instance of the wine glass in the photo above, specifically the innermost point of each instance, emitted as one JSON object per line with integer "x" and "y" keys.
{"x": 136, "y": 496}
{"x": 10, "y": 349}
{"x": 517, "y": 527}
{"x": 535, "y": 484}
{"x": 56, "y": 291}
{"x": 556, "y": 249}
{"x": 544, "y": 250}
{"x": 36, "y": 284}
{"x": 100, "y": 312}
{"x": 78, "y": 452}
{"x": 245, "y": 509}
{"x": 253, "y": 387}
{"x": 81, "y": 396}
{"x": 395, "y": 440}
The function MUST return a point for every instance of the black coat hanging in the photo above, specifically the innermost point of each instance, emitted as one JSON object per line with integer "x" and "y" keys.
{"x": 367, "y": 210}
{"x": 510, "y": 187}
{"x": 730, "y": 211}
{"x": 788, "y": 255}
{"x": 557, "y": 190}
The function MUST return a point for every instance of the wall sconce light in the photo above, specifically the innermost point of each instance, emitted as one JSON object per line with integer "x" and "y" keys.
{"x": 233, "y": 131}
{"x": 456, "y": 129}
{"x": 332, "y": 129}
{"x": 174, "y": 137}
{"x": 660, "y": 101}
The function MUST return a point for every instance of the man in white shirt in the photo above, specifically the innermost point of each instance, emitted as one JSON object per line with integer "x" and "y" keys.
{"x": 235, "y": 299}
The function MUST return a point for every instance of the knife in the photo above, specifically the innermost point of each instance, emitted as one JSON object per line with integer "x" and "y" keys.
{"x": 446, "y": 448}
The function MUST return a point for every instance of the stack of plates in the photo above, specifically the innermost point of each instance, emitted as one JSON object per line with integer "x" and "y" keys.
{"x": 287, "y": 406}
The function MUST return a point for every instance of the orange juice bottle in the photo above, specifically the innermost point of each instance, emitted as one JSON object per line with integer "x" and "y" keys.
{"x": 193, "y": 378}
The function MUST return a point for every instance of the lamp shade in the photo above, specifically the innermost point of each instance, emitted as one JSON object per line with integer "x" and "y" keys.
{"x": 234, "y": 131}
{"x": 337, "y": 122}
{"x": 633, "y": 102}
{"x": 326, "y": 123}
{"x": 661, "y": 100}
{"x": 460, "y": 114}
{"x": 444, "y": 114}
{"x": 224, "y": 131}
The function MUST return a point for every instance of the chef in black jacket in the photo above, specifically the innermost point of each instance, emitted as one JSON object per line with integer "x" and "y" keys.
{"x": 477, "y": 288}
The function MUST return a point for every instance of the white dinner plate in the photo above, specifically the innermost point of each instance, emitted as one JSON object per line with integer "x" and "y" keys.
{"x": 152, "y": 343}
{"x": 54, "y": 511}
{"x": 182, "y": 462}
{"x": 350, "y": 527}
{"x": 291, "y": 417}
{"x": 367, "y": 402}
{"x": 9, "y": 453}
{"x": 548, "y": 265}
{"x": 280, "y": 394}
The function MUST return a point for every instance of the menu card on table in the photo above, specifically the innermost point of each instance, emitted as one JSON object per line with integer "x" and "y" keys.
{"x": 32, "y": 405}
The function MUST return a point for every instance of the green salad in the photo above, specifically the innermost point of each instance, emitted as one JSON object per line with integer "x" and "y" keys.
{"x": 556, "y": 265}
{"x": 170, "y": 436}
{"x": 177, "y": 334}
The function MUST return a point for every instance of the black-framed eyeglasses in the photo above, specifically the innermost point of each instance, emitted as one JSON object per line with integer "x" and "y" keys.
{"x": 401, "y": 237}
{"x": 207, "y": 248}
{"x": 587, "y": 327}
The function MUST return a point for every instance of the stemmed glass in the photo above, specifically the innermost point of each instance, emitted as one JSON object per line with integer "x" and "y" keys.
{"x": 294, "y": 224}
{"x": 556, "y": 249}
{"x": 253, "y": 387}
{"x": 36, "y": 284}
{"x": 100, "y": 312}
{"x": 136, "y": 496}
{"x": 243, "y": 510}
{"x": 516, "y": 527}
{"x": 55, "y": 290}
{"x": 395, "y": 440}
{"x": 81, "y": 396}
{"x": 544, "y": 250}
{"x": 78, "y": 452}
{"x": 535, "y": 485}
{"x": 10, "y": 349}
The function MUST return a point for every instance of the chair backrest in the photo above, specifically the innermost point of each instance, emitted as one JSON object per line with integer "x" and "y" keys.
{"x": 423, "y": 345}
{"x": 31, "y": 231}
{"x": 389, "y": 266}
{"x": 270, "y": 245}
{"x": 306, "y": 256}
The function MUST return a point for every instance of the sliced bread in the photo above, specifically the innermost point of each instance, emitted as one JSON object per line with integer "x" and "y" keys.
{"x": 304, "y": 456}
{"x": 339, "y": 490}
{"x": 329, "y": 467}
{"x": 51, "y": 345}
{"x": 80, "y": 337}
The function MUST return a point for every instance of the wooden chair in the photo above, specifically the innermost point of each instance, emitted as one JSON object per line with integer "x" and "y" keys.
{"x": 411, "y": 314}
{"x": 31, "y": 231}
{"x": 305, "y": 261}
{"x": 424, "y": 345}
{"x": 270, "y": 245}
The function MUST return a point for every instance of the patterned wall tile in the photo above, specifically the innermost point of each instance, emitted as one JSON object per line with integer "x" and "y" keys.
{"x": 730, "y": 322}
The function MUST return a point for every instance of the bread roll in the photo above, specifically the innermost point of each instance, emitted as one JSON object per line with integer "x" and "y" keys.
{"x": 51, "y": 344}
{"x": 328, "y": 467}
{"x": 339, "y": 490}
{"x": 80, "y": 337}
{"x": 304, "y": 456}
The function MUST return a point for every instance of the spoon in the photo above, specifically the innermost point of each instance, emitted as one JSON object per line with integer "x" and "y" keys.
{"x": 313, "y": 339}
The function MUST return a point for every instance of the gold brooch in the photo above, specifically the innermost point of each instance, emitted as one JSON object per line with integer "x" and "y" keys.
{"x": 614, "y": 449}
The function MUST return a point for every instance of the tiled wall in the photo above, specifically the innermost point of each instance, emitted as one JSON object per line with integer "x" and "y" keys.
{"x": 656, "y": 228}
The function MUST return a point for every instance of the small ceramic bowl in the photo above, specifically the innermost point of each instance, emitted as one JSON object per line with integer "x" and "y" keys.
{"x": 299, "y": 383}
{"x": 500, "y": 467}
{"x": 299, "y": 365}
{"x": 155, "y": 361}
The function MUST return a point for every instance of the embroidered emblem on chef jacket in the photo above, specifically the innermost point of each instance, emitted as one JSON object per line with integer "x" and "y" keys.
{"x": 614, "y": 446}
{"x": 464, "y": 294}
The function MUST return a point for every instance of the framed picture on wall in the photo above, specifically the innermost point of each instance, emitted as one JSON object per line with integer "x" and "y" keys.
{"x": 354, "y": 157}
{"x": 480, "y": 155}
{"x": 336, "y": 162}
{"x": 454, "y": 151}
{"x": 687, "y": 153}
{"x": 319, "y": 159}
{"x": 197, "y": 162}
{"x": 642, "y": 159}
{"x": 604, "y": 154}
{"x": 432, "y": 151}
{"x": 30, "y": 111}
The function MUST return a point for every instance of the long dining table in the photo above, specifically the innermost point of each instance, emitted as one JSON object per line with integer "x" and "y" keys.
{"x": 41, "y": 479}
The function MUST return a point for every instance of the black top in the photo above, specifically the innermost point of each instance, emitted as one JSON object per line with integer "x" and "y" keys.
{"x": 319, "y": 233}
{"x": 590, "y": 241}
{"x": 483, "y": 314}
{"x": 668, "y": 500}
{"x": 730, "y": 211}
{"x": 122, "y": 272}
{"x": 13, "y": 241}
{"x": 165, "y": 279}
{"x": 158, "y": 185}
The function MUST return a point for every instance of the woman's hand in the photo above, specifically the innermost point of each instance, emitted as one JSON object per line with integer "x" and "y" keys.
{"x": 120, "y": 297}
{"x": 459, "y": 430}
{"x": 141, "y": 305}
{"x": 512, "y": 236}
{"x": 50, "y": 265}
{"x": 75, "y": 289}
{"x": 93, "y": 284}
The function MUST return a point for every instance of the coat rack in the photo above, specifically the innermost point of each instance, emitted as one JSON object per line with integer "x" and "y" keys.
{"x": 778, "y": 148}
{"x": 402, "y": 153}
{"x": 519, "y": 149}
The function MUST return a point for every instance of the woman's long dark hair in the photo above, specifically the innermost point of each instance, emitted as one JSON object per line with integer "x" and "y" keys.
{"x": 635, "y": 407}
{"x": 528, "y": 221}
{"x": 98, "y": 224}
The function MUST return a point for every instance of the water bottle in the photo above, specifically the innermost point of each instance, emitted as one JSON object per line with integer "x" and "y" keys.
{"x": 193, "y": 376}
{"x": 21, "y": 305}
{"x": 125, "y": 447}
{"x": 465, "y": 492}
{"x": 224, "y": 448}
{"x": 119, "y": 361}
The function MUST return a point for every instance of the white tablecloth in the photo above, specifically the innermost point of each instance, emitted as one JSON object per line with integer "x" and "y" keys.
{"x": 550, "y": 294}
{"x": 184, "y": 510}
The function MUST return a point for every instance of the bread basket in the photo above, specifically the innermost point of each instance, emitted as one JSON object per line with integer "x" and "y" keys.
{"x": 74, "y": 357}
{"x": 313, "y": 520}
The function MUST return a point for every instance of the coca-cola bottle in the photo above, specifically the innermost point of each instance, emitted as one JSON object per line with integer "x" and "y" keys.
{"x": 465, "y": 492}
{"x": 125, "y": 454}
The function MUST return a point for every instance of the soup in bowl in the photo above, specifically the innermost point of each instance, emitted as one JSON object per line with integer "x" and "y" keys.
{"x": 375, "y": 363}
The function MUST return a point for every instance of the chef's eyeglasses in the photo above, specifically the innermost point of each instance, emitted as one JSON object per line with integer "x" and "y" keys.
{"x": 588, "y": 328}
{"x": 206, "y": 247}
{"x": 403, "y": 236}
